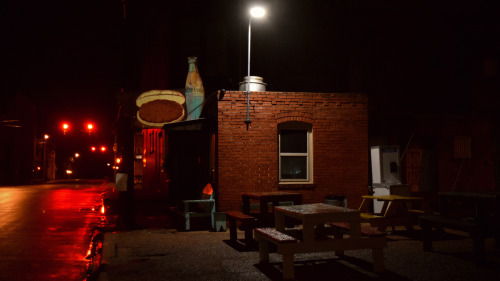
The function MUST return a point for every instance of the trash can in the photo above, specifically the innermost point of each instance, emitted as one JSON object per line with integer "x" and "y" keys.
{"x": 336, "y": 200}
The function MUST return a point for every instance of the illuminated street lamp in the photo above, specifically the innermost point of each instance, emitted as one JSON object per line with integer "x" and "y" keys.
{"x": 255, "y": 12}
{"x": 44, "y": 156}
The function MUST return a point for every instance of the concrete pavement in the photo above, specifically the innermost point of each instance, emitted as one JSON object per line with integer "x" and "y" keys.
{"x": 156, "y": 250}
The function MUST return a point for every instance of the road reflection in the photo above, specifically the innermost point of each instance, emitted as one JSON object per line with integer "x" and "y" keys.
{"x": 9, "y": 199}
{"x": 45, "y": 230}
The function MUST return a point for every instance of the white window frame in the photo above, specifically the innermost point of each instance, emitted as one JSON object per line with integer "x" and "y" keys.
{"x": 309, "y": 154}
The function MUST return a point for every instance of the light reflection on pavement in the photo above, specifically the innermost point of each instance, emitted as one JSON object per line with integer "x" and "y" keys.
{"x": 45, "y": 230}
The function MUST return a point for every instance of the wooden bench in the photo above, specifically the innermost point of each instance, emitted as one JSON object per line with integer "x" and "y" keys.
{"x": 376, "y": 220}
{"x": 382, "y": 223}
{"x": 287, "y": 246}
{"x": 476, "y": 231}
{"x": 281, "y": 240}
{"x": 338, "y": 229}
{"x": 245, "y": 223}
{"x": 366, "y": 230}
{"x": 367, "y": 216}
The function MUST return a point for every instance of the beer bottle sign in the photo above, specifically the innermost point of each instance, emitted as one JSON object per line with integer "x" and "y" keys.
{"x": 195, "y": 94}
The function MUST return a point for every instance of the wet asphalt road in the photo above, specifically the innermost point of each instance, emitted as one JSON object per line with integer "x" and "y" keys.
{"x": 45, "y": 230}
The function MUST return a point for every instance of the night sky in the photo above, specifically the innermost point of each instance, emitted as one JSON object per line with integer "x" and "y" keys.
{"x": 73, "y": 58}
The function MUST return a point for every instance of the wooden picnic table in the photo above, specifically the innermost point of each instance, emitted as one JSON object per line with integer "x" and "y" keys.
{"x": 264, "y": 198}
{"x": 475, "y": 213}
{"x": 247, "y": 220}
{"x": 481, "y": 203}
{"x": 313, "y": 218}
{"x": 395, "y": 211}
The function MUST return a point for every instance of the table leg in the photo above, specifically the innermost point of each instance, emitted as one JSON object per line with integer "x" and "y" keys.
{"x": 386, "y": 207}
{"x": 308, "y": 232}
{"x": 246, "y": 205}
{"x": 279, "y": 221}
{"x": 365, "y": 205}
{"x": 263, "y": 251}
{"x": 426, "y": 236}
{"x": 355, "y": 228}
{"x": 264, "y": 212}
{"x": 338, "y": 235}
{"x": 288, "y": 269}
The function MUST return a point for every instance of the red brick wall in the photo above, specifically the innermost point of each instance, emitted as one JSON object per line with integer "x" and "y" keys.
{"x": 248, "y": 158}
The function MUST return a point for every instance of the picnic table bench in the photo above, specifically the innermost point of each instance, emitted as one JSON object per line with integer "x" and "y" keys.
{"x": 395, "y": 211}
{"x": 315, "y": 236}
{"x": 257, "y": 210}
{"x": 244, "y": 222}
{"x": 439, "y": 222}
{"x": 366, "y": 230}
{"x": 481, "y": 224}
{"x": 281, "y": 240}
{"x": 287, "y": 245}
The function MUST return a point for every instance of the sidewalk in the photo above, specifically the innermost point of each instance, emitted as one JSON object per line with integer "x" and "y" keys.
{"x": 156, "y": 250}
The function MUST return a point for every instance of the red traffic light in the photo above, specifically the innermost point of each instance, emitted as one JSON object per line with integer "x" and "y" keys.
{"x": 65, "y": 127}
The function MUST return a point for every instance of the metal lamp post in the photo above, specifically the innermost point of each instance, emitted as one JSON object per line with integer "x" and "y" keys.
{"x": 44, "y": 158}
{"x": 255, "y": 12}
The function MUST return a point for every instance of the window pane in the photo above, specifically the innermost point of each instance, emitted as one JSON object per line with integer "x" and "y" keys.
{"x": 293, "y": 167}
{"x": 293, "y": 141}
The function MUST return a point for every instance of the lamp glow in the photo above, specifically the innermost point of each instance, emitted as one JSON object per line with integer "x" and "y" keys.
{"x": 257, "y": 12}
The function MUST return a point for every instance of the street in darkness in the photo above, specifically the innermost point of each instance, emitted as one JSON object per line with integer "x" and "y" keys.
{"x": 45, "y": 230}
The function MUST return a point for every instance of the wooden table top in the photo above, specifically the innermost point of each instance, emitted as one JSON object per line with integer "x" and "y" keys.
{"x": 317, "y": 209}
{"x": 257, "y": 195}
{"x": 391, "y": 197}
{"x": 469, "y": 195}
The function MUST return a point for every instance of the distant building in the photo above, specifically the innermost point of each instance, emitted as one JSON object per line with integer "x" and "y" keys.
{"x": 17, "y": 140}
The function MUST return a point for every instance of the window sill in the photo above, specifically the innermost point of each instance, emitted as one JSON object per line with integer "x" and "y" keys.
{"x": 295, "y": 185}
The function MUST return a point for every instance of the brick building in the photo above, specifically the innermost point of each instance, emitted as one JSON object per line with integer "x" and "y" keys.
{"x": 332, "y": 126}
{"x": 312, "y": 143}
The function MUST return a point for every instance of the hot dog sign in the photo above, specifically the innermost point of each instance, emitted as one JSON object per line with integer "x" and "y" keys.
{"x": 159, "y": 107}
